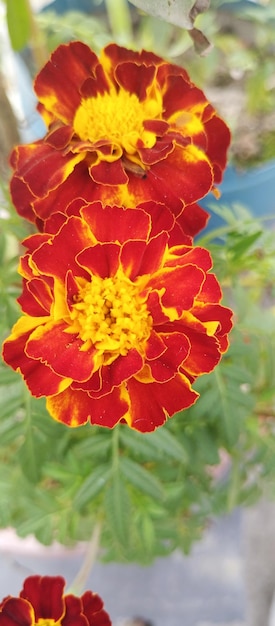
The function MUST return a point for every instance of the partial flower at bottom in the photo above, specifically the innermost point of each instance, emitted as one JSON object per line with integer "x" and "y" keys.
{"x": 117, "y": 325}
{"x": 123, "y": 128}
{"x": 42, "y": 602}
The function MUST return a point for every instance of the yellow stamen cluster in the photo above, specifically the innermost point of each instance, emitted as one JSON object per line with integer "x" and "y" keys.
{"x": 118, "y": 118}
{"x": 111, "y": 315}
{"x": 47, "y": 622}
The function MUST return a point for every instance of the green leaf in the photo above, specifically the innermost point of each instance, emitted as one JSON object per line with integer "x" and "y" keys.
{"x": 118, "y": 513}
{"x": 92, "y": 485}
{"x": 141, "y": 478}
{"x": 176, "y": 11}
{"x": 154, "y": 446}
{"x": 168, "y": 444}
{"x": 19, "y": 23}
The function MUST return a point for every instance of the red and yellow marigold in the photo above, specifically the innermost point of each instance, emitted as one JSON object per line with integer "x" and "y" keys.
{"x": 123, "y": 128}
{"x": 117, "y": 324}
{"x": 42, "y": 603}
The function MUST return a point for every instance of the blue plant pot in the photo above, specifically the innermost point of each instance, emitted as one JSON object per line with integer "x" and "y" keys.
{"x": 253, "y": 188}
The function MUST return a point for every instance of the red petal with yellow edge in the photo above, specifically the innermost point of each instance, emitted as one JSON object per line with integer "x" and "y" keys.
{"x": 61, "y": 351}
{"x": 192, "y": 255}
{"x": 40, "y": 379}
{"x": 181, "y": 285}
{"x": 16, "y": 612}
{"x": 180, "y": 95}
{"x": 211, "y": 291}
{"x": 104, "y": 380}
{"x": 155, "y": 346}
{"x": 152, "y": 403}
{"x": 36, "y": 299}
{"x": 153, "y": 254}
{"x": 101, "y": 259}
{"x": 73, "y": 612}
{"x": 22, "y": 198}
{"x": 218, "y": 140}
{"x": 75, "y": 408}
{"x": 113, "y": 223}
{"x": 78, "y": 183}
{"x": 192, "y": 220}
{"x": 112, "y": 56}
{"x": 106, "y": 173}
{"x": 135, "y": 78}
{"x": 58, "y": 83}
{"x": 217, "y": 312}
{"x": 160, "y": 151}
{"x": 93, "y": 610}
{"x": 125, "y": 366}
{"x": 204, "y": 353}
{"x": 45, "y": 593}
{"x": 57, "y": 256}
{"x": 155, "y": 308}
{"x": 161, "y": 217}
{"x": 43, "y": 168}
{"x": 138, "y": 257}
{"x": 33, "y": 242}
{"x": 164, "y": 367}
{"x": 59, "y": 137}
{"x": 190, "y": 172}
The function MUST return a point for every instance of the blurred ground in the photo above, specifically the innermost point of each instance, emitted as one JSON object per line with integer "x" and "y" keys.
{"x": 203, "y": 589}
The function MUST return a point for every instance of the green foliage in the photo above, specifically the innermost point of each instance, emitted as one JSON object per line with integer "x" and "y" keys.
{"x": 151, "y": 492}
{"x": 19, "y": 23}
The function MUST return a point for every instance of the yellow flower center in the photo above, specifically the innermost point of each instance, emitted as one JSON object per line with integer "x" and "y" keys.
{"x": 47, "y": 622}
{"x": 118, "y": 118}
{"x": 111, "y": 315}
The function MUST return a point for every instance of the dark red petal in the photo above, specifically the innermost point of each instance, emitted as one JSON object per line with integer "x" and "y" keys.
{"x": 61, "y": 351}
{"x": 16, "y": 612}
{"x": 75, "y": 408}
{"x": 165, "y": 366}
{"x": 43, "y": 168}
{"x": 36, "y": 298}
{"x": 106, "y": 173}
{"x": 160, "y": 399}
{"x": 114, "y": 224}
{"x": 73, "y": 612}
{"x": 40, "y": 379}
{"x": 101, "y": 259}
{"x": 93, "y": 610}
{"x": 181, "y": 286}
{"x": 58, "y": 83}
{"x": 58, "y": 255}
{"x": 45, "y": 594}
{"x": 135, "y": 78}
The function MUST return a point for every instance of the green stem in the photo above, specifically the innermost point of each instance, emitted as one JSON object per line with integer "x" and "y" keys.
{"x": 120, "y": 20}
{"x": 78, "y": 584}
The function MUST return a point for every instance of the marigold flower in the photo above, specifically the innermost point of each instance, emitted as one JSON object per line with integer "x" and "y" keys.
{"x": 123, "y": 128}
{"x": 42, "y": 602}
{"x": 116, "y": 328}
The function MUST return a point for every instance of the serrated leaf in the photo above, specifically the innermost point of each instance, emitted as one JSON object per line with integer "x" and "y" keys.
{"x": 153, "y": 446}
{"x": 92, "y": 485}
{"x": 19, "y": 23}
{"x": 168, "y": 444}
{"x": 94, "y": 446}
{"x": 117, "y": 507}
{"x": 141, "y": 478}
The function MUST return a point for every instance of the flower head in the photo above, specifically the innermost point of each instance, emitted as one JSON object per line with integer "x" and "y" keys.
{"x": 116, "y": 326}
{"x": 123, "y": 128}
{"x": 42, "y": 603}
